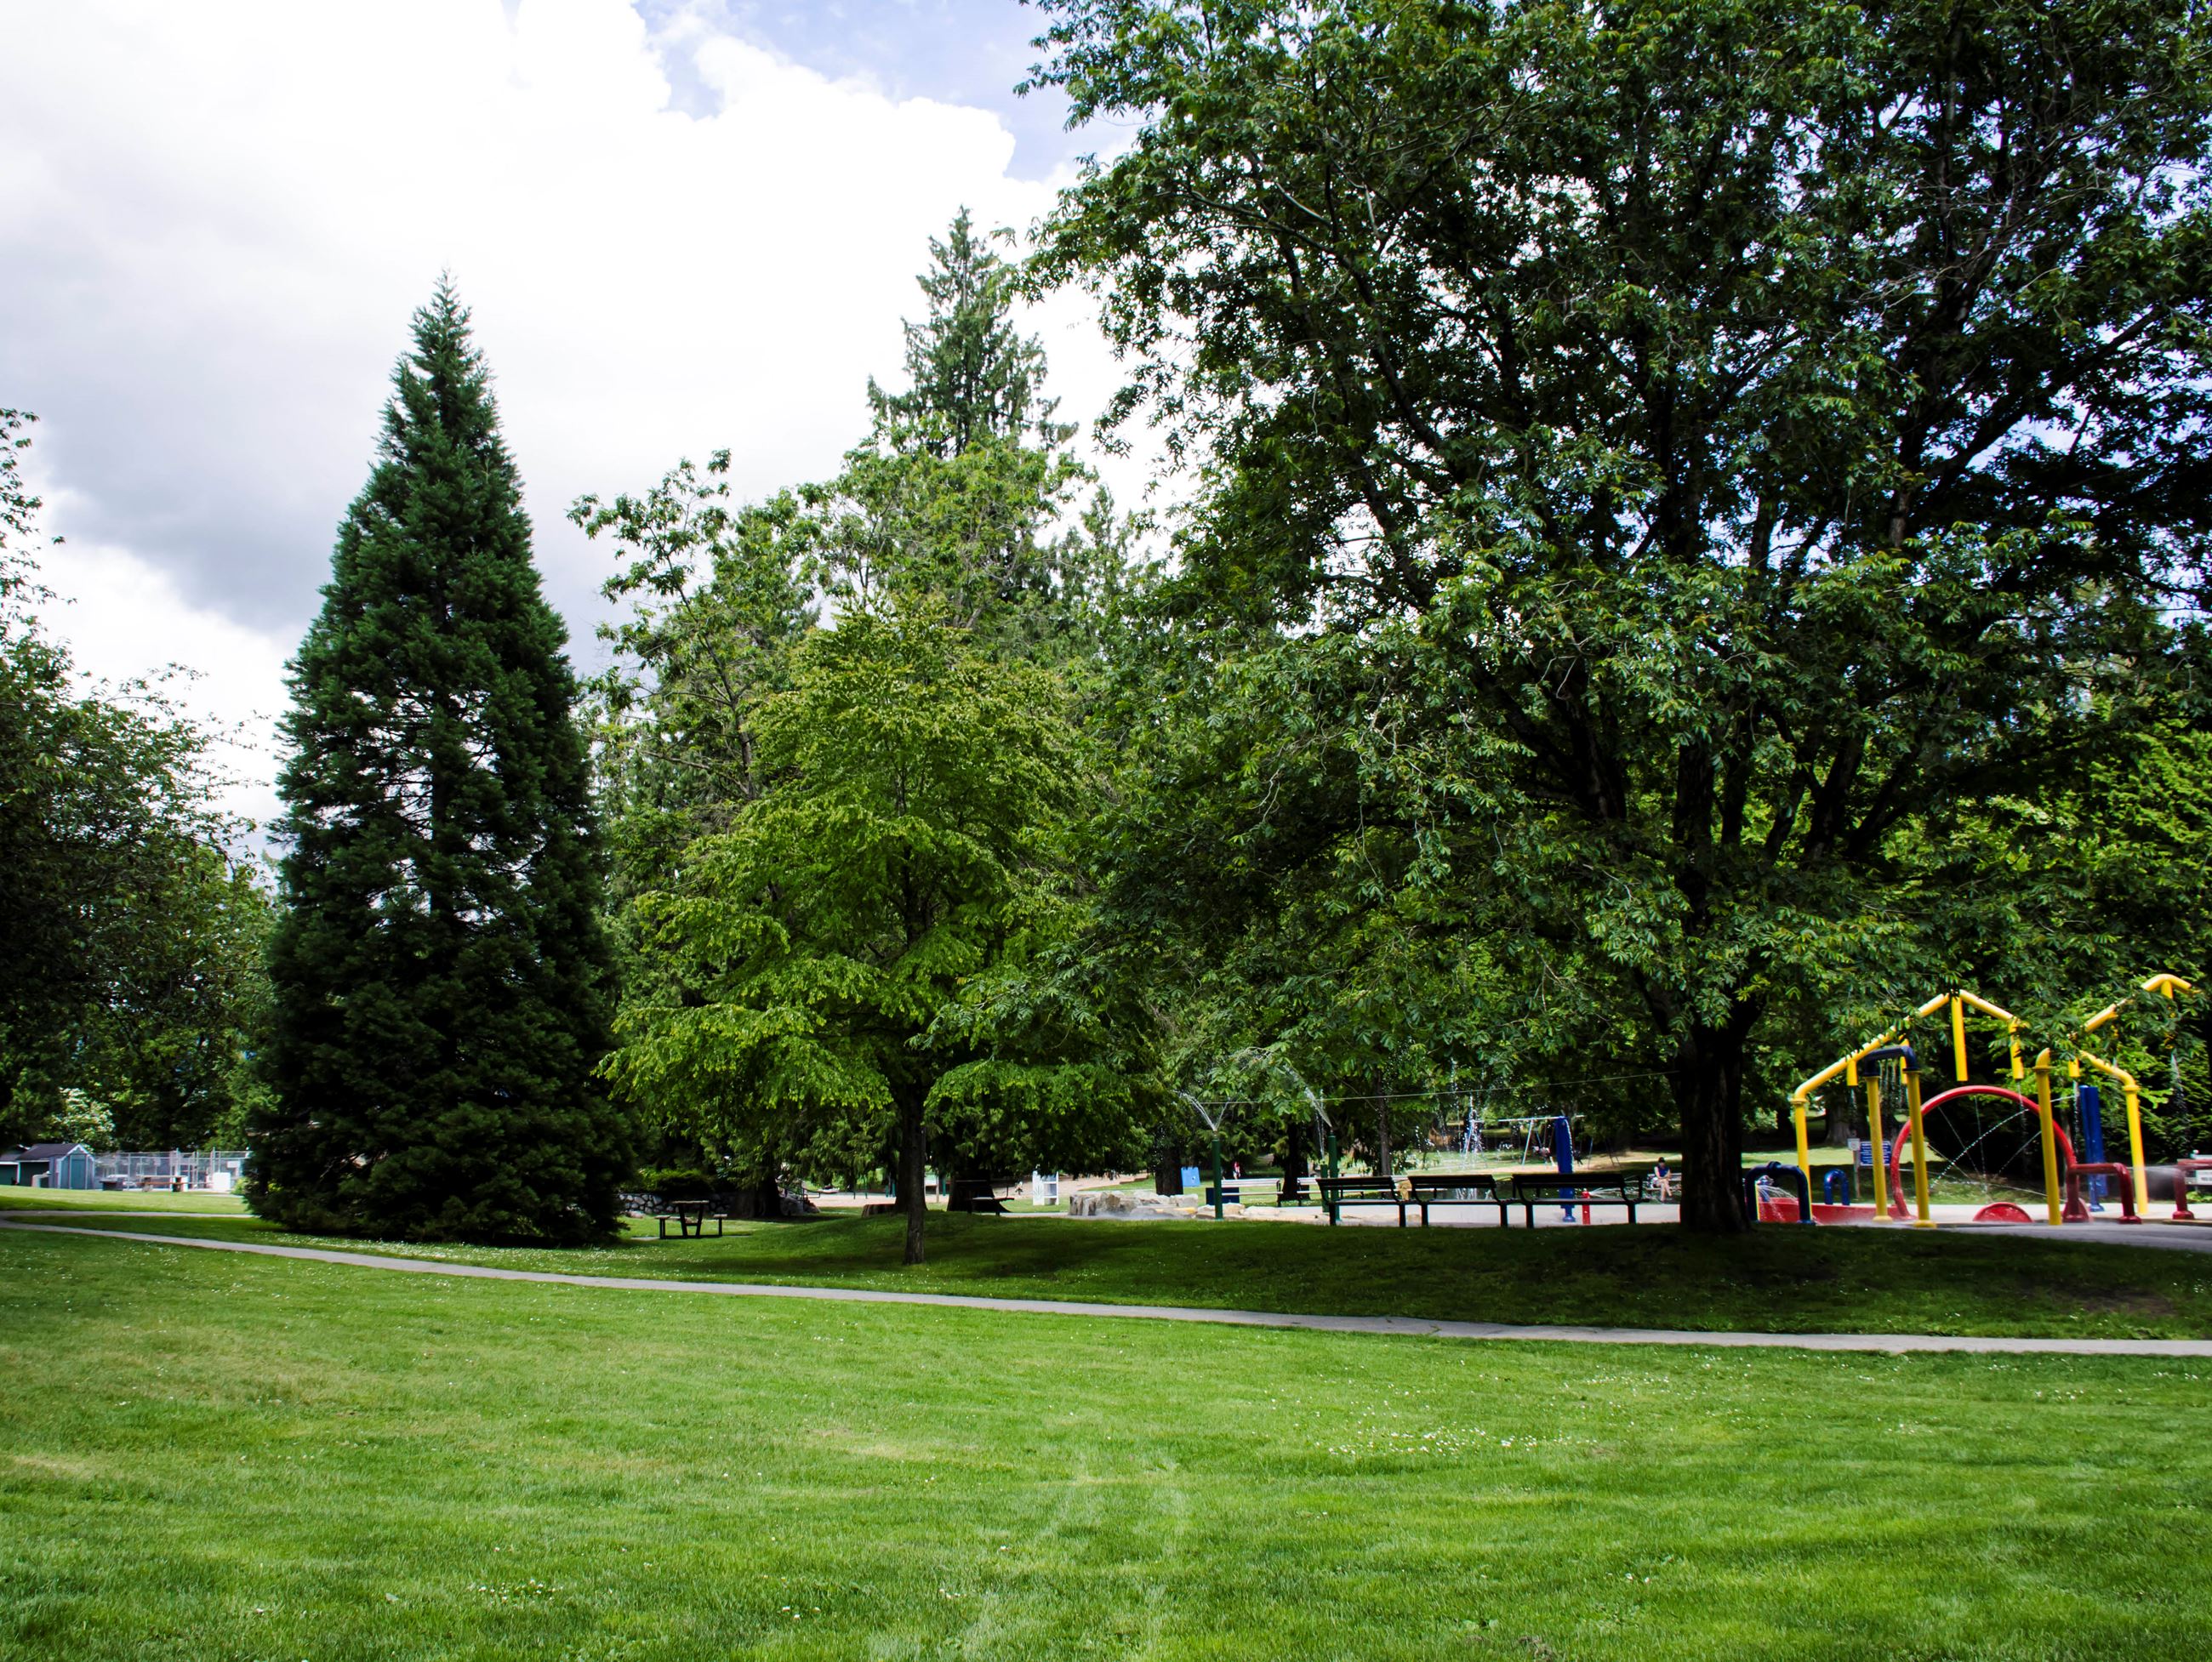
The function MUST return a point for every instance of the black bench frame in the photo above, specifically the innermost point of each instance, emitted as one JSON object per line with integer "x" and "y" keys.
{"x": 1526, "y": 1190}
{"x": 1423, "y": 1190}
{"x": 1534, "y": 1189}
{"x": 1338, "y": 1193}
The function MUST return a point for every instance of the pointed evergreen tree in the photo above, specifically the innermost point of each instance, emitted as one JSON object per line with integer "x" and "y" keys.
{"x": 972, "y": 376}
{"x": 440, "y": 977}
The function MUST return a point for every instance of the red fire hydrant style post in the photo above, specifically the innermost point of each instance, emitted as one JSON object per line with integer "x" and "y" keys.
{"x": 1586, "y": 1206}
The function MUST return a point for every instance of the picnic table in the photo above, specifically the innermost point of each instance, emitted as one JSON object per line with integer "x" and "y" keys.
{"x": 689, "y": 1217}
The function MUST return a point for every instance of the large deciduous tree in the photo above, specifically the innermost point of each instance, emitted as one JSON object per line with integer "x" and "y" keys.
{"x": 440, "y": 974}
{"x": 812, "y": 957}
{"x": 956, "y": 517}
{"x": 1736, "y": 433}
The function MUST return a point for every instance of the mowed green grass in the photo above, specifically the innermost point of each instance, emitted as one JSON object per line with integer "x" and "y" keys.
{"x": 206, "y": 1455}
{"x": 1778, "y": 1278}
{"x": 192, "y": 1203}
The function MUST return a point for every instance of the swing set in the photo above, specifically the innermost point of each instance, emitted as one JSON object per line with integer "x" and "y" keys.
{"x": 1893, "y": 1076}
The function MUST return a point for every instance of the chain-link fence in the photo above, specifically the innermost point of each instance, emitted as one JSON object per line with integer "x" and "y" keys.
{"x": 219, "y": 1169}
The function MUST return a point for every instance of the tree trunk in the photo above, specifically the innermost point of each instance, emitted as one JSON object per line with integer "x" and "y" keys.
{"x": 1844, "y": 1118}
{"x": 1382, "y": 1138}
{"x": 913, "y": 1166}
{"x": 1709, "y": 1094}
{"x": 1294, "y": 1165}
{"x": 1167, "y": 1176}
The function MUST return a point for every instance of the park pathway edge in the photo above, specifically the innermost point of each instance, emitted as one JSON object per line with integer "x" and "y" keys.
{"x": 1421, "y": 1327}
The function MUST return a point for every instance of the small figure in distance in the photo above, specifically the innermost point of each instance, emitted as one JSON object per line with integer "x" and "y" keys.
{"x": 1662, "y": 1180}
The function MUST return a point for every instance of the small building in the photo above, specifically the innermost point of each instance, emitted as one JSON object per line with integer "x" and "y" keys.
{"x": 48, "y": 1165}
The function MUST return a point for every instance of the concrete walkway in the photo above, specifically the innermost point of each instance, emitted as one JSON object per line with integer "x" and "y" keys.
{"x": 1890, "y": 1343}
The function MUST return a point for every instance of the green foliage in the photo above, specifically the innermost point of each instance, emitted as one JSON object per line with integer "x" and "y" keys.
{"x": 810, "y": 952}
{"x": 132, "y": 979}
{"x": 973, "y": 377}
{"x": 173, "y": 1058}
{"x": 966, "y": 491}
{"x": 1685, "y": 459}
{"x": 442, "y": 978}
{"x": 19, "y": 509}
{"x": 969, "y": 580}
{"x": 719, "y": 598}
{"x": 971, "y": 531}
{"x": 677, "y": 1182}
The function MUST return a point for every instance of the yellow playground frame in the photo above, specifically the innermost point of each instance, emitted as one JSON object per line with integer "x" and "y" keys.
{"x": 2168, "y": 985}
{"x": 1959, "y": 1001}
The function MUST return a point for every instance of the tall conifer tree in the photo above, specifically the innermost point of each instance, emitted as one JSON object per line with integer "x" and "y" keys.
{"x": 973, "y": 377}
{"x": 440, "y": 976}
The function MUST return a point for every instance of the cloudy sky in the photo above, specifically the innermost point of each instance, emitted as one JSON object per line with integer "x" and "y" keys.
{"x": 682, "y": 224}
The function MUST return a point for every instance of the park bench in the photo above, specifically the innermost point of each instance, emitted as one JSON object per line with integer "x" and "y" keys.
{"x": 1533, "y": 1189}
{"x": 1338, "y": 1193}
{"x": 689, "y": 1217}
{"x": 1416, "y": 1191}
{"x": 1456, "y": 1189}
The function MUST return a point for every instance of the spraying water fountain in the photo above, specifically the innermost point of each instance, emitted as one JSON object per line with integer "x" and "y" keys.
{"x": 1271, "y": 1062}
{"x": 1211, "y": 1117}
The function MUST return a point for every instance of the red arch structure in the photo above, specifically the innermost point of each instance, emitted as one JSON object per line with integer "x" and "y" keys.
{"x": 2076, "y": 1209}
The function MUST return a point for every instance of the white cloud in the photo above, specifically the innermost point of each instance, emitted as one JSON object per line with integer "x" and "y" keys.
{"x": 126, "y": 622}
{"x": 217, "y": 217}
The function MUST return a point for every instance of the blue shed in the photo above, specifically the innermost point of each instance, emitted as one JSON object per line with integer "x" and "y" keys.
{"x": 49, "y": 1166}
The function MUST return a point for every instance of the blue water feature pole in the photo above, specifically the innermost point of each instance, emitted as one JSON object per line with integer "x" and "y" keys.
{"x": 2093, "y": 1138}
{"x": 1563, "y": 1150}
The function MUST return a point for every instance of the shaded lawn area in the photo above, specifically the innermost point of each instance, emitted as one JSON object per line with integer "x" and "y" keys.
{"x": 1776, "y": 1278}
{"x": 220, "y": 1457}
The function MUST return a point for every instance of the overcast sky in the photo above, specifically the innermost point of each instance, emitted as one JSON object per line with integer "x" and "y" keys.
{"x": 681, "y": 224}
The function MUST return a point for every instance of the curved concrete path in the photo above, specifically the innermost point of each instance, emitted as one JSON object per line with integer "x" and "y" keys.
{"x": 1892, "y": 1343}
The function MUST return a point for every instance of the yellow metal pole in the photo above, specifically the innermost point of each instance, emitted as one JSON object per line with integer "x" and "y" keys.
{"x": 1919, "y": 1150}
{"x": 2013, "y": 1026}
{"x": 2168, "y": 985}
{"x": 2050, "y": 1140}
{"x": 1880, "y": 1148}
{"x": 2134, "y": 1151}
{"x": 2135, "y": 1124}
{"x": 1849, "y": 1068}
{"x": 1804, "y": 1147}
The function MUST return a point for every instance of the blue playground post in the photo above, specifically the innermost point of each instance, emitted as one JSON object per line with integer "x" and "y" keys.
{"x": 1563, "y": 1150}
{"x": 2093, "y": 1138}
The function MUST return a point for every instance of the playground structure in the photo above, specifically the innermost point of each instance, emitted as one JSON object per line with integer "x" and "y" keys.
{"x": 1897, "y": 1074}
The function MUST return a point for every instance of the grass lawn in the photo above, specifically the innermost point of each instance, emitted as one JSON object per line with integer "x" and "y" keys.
{"x": 213, "y": 1457}
{"x": 1777, "y": 1278}
{"x": 193, "y": 1203}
